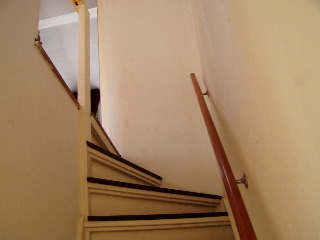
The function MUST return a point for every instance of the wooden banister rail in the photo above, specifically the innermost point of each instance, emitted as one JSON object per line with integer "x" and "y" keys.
{"x": 244, "y": 225}
{"x": 38, "y": 43}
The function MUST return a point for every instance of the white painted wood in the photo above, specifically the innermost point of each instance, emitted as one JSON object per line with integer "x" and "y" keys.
{"x": 99, "y": 170}
{"x": 113, "y": 200}
{"x": 121, "y": 168}
{"x": 99, "y": 135}
{"x": 84, "y": 59}
{"x": 156, "y": 224}
{"x": 160, "y": 196}
{"x": 188, "y": 228}
{"x": 84, "y": 128}
{"x": 202, "y": 233}
{"x": 94, "y": 140}
{"x": 80, "y": 228}
{"x": 231, "y": 217}
{"x": 87, "y": 235}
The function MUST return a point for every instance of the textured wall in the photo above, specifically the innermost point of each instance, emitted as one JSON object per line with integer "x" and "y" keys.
{"x": 261, "y": 63}
{"x": 147, "y": 51}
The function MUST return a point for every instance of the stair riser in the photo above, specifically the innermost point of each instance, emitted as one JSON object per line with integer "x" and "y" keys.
{"x": 179, "y": 229}
{"x": 207, "y": 233}
{"x": 102, "y": 205}
{"x": 102, "y": 166}
{"x": 113, "y": 200}
{"x": 98, "y": 170}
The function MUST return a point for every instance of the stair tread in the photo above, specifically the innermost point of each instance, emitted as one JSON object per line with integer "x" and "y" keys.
{"x": 151, "y": 188}
{"x": 122, "y": 160}
{"x": 156, "y": 216}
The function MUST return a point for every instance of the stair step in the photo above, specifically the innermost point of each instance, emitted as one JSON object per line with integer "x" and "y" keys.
{"x": 109, "y": 197}
{"x": 151, "y": 188}
{"x": 105, "y": 163}
{"x": 161, "y": 226}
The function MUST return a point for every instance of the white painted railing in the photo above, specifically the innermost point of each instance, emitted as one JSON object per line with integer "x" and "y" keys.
{"x": 84, "y": 126}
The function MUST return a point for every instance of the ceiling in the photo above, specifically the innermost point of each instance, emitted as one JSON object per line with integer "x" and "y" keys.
{"x": 58, "y": 29}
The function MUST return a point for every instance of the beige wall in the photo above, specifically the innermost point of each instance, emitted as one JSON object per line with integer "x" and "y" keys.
{"x": 261, "y": 63}
{"x": 147, "y": 51}
{"x": 38, "y": 167}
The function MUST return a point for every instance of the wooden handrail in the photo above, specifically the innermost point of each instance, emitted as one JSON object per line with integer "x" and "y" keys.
{"x": 244, "y": 225}
{"x": 38, "y": 43}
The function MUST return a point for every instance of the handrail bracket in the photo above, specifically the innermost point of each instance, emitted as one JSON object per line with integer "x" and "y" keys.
{"x": 243, "y": 180}
{"x": 240, "y": 213}
{"x": 206, "y": 93}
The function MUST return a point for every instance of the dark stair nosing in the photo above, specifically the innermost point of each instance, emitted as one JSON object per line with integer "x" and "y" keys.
{"x": 156, "y": 216}
{"x": 122, "y": 160}
{"x": 151, "y": 188}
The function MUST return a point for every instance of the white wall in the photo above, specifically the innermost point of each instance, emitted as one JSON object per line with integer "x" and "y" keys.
{"x": 261, "y": 63}
{"x": 38, "y": 167}
{"x": 147, "y": 51}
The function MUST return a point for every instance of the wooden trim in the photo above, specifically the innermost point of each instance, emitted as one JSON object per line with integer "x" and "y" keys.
{"x": 147, "y": 225}
{"x": 106, "y": 135}
{"x": 120, "y": 167}
{"x": 156, "y": 216}
{"x": 56, "y": 72}
{"x": 151, "y": 188}
{"x": 122, "y": 160}
{"x": 239, "y": 210}
{"x": 140, "y": 194}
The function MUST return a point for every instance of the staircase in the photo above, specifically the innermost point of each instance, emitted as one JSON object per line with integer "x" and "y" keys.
{"x": 127, "y": 202}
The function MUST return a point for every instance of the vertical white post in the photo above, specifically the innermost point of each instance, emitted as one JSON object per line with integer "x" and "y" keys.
{"x": 104, "y": 108}
{"x": 84, "y": 58}
{"x": 84, "y": 126}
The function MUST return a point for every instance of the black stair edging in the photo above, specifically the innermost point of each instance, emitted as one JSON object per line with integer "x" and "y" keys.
{"x": 156, "y": 216}
{"x": 122, "y": 160}
{"x": 151, "y": 188}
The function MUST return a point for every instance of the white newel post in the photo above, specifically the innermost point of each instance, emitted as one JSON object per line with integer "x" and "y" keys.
{"x": 85, "y": 103}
